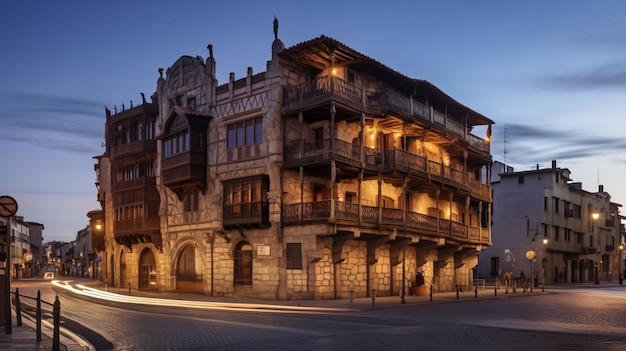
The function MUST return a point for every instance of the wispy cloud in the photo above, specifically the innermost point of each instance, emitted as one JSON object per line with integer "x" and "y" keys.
{"x": 527, "y": 144}
{"x": 57, "y": 122}
{"x": 609, "y": 75}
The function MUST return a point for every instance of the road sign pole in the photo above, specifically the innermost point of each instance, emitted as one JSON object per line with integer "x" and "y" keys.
{"x": 8, "y": 208}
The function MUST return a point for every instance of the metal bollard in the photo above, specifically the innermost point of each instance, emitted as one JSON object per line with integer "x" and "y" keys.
{"x": 299, "y": 298}
{"x": 128, "y": 289}
{"x": 457, "y": 292}
{"x": 351, "y": 298}
{"x": 38, "y": 316}
{"x": 18, "y": 307}
{"x": 475, "y": 291}
{"x": 495, "y": 291}
{"x": 431, "y": 293}
{"x": 56, "y": 315}
{"x": 373, "y": 297}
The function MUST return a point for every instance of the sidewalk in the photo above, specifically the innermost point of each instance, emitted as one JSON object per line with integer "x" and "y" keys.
{"x": 24, "y": 338}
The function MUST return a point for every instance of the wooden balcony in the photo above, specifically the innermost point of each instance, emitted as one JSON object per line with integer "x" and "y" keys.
{"x": 327, "y": 88}
{"x": 354, "y": 214}
{"x": 317, "y": 153}
{"x": 186, "y": 168}
{"x": 137, "y": 231}
{"x": 137, "y": 146}
{"x": 254, "y": 214}
{"x": 136, "y": 225}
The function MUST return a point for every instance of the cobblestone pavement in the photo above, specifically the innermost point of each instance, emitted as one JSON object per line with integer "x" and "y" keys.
{"x": 572, "y": 318}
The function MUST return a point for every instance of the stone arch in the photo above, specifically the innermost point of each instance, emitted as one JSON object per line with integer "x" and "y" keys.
{"x": 189, "y": 268}
{"x": 111, "y": 276}
{"x": 147, "y": 270}
{"x": 123, "y": 270}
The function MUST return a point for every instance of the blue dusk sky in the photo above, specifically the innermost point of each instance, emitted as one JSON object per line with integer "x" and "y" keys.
{"x": 551, "y": 74}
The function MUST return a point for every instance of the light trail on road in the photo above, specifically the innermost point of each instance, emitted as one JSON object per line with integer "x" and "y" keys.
{"x": 207, "y": 305}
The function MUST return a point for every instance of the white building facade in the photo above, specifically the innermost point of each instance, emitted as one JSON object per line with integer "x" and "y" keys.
{"x": 552, "y": 230}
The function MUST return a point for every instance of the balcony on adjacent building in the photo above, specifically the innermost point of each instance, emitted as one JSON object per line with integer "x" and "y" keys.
{"x": 133, "y": 147}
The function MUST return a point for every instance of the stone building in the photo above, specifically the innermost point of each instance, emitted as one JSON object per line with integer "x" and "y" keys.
{"x": 549, "y": 227}
{"x": 328, "y": 175}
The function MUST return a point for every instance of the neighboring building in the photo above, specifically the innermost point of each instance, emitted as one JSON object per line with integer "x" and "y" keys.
{"x": 326, "y": 175}
{"x": 36, "y": 247}
{"x": 530, "y": 206}
{"x": 20, "y": 246}
{"x": 83, "y": 256}
{"x": 127, "y": 190}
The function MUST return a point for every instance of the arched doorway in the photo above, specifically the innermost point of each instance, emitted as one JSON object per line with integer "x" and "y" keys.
{"x": 111, "y": 273}
{"x": 147, "y": 270}
{"x": 574, "y": 271}
{"x": 581, "y": 271}
{"x": 243, "y": 264}
{"x": 123, "y": 275}
{"x": 189, "y": 270}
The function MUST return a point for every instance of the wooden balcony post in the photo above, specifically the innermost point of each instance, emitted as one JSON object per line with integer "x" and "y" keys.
{"x": 301, "y": 214}
{"x": 333, "y": 190}
{"x": 380, "y": 198}
{"x": 359, "y": 195}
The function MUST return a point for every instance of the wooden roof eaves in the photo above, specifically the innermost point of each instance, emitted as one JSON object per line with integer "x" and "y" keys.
{"x": 391, "y": 77}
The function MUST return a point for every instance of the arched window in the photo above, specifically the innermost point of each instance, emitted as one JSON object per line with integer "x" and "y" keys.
{"x": 243, "y": 264}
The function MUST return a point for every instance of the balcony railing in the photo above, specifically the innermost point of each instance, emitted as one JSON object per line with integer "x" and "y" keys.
{"x": 349, "y": 212}
{"x": 149, "y": 145}
{"x": 301, "y": 152}
{"x": 139, "y": 224}
{"x": 252, "y": 213}
{"x": 328, "y": 87}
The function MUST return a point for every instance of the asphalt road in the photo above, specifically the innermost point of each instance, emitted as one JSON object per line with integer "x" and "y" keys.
{"x": 566, "y": 319}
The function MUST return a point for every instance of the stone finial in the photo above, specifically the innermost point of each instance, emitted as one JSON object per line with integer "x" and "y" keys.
{"x": 143, "y": 98}
{"x": 210, "y": 47}
{"x": 275, "y": 27}
{"x": 161, "y": 72}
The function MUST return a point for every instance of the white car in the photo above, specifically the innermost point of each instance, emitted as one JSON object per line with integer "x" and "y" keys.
{"x": 48, "y": 275}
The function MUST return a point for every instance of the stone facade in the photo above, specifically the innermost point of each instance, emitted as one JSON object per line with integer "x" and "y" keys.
{"x": 308, "y": 187}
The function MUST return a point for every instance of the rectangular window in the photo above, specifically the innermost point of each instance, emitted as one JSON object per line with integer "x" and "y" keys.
{"x": 556, "y": 201}
{"x": 241, "y": 132}
{"x": 244, "y": 133}
{"x": 245, "y": 200}
{"x": 294, "y": 256}
{"x": 495, "y": 266}
{"x": 556, "y": 234}
{"x": 231, "y": 136}
{"x": 249, "y": 132}
{"x": 258, "y": 130}
{"x": 520, "y": 180}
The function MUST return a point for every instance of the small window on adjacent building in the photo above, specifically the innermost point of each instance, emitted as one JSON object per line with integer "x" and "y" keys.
{"x": 520, "y": 180}
{"x": 294, "y": 256}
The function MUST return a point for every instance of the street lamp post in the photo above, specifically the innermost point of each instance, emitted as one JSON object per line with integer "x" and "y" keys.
{"x": 594, "y": 217}
{"x": 532, "y": 257}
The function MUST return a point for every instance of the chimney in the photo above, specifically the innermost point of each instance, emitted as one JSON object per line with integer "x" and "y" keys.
{"x": 553, "y": 164}
{"x": 601, "y": 188}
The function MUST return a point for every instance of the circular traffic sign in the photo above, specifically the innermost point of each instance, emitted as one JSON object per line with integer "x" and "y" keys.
{"x": 8, "y": 206}
{"x": 508, "y": 256}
